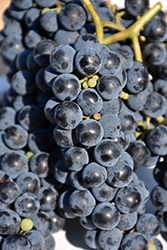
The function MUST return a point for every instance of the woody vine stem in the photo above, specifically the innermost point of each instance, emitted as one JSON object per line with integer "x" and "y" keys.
{"x": 131, "y": 33}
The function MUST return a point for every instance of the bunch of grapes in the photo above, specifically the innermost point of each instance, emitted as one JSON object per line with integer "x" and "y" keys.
{"x": 86, "y": 106}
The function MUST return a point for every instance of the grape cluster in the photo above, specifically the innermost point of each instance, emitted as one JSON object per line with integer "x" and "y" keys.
{"x": 77, "y": 120}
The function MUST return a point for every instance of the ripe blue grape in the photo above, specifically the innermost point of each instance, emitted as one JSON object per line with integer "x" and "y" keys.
{"x": 28, "y": 183}
{"x": 107, "y": 152}
{"x": 128, "y": 199}
{"x": 136, "y": 8}
{"x": 81, "y": 202}
{"x": 17, "y": 241}
{"x": 86, "y": 41}
{"x": 66, "y": 87}
{"x": 89, "y": 132}
{"x": 27, "y": 205}
{"x": 72, "y": 16}
{"x": 42, "y": 223}
{"x": 110, "y": 239}
{"x": 157, "y": 140}
{"x": 63, "y": 137}
{"x": 93, "y": 175}
{"x": 36, "y": 238}
{"x": 65, "y": 36}
{"x": 134, "y": 241}
{"x": 104, "y": 192}
{"x": 148, "y": 225}
{"x": 137, "y": 78}
{"x": 14, "y": 164}
{"x": 42, "y": 50}
{"x": 9, "y": 191}
{"x": 90, "y": 101}
{"x": 111, "y": 125}
{"x": 9, "y": 221}
{"x": 47, "y": 197}
{"x": 75, "y": 158}
{"x": 105, "y": 216}
{"x": 87, "y": 61}
{"x": 49, "y": 22}
{"x": 109, "y": 87}
{"x": 68, "y": 115}
{"x": 61, "y": 58}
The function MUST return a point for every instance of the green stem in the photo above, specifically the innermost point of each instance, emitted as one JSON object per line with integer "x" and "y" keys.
{"x": 137, "y": 49}
{"x": 140, "y": 23}
{"x": 133, "y": 31}
{"x": 113, "y": 25}
{"x": 135, "y": 28}
{"x": 97, "y": 20}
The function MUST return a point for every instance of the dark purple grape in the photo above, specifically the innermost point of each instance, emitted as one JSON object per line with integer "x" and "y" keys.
{"x": 17, "y": 242}
{"x": 93, "y": 175}
{"x": 110, "y": 239}
{"x": 27, "y": 205}
{"x": 137, "y": 78}
{"x": 148, "y": 225}
{"x": 90, "y": 101}
{"x": 87, "y": 61}
{"x": 109, "y": 87}
{"x": 86, "y": 41}
{"x": 57, "y": 220}
{"x": 9, "y": 221}
{"x": 89, "y": 132}
{"x": 107, "y": 152}
{"x": 42, "y": 223}
{"x": 159, "y": 198}
{"x": 49, "y": 22}
{"x": 9, "y": 191}
{"x": 156, "y": 30}
{"x": 41, "y": 140}
{"x": 63, "y": 137}
{"x": 41, "y": 164}
{"x": 11, "y": 46}
{"x": 128, "y": 199}
{"x": 134, "y": 241}
{"x": 15, "y": 137}
{"x": 139, "y": 152}
{"x": 61, "y": 172}
{"x": 61, "y": 59}
{"x": 28, "y": 183}
{"x": 31, "y": 117}
{"x": 104, "y": 192}
{"x": 86, "y": 222}
{"x": 68, "y": 115}
{"x": 66, "y": 87}
{"x": 47, "y": 197}
{"x": 136, "y": 8}
{"x": 36, "y": 238}
{"x": 111, "y": 125}
{"x": 81, "y": 202}
{"x": 157, "y": 140}
{"x": 14, "y": 164}
{"x": 72, "y": 16}
{"x": 7, "y": 117}
{"x": 105, "y": 216}
{"x": 76, "y": 158}
{"x": 154, "y": 54}
{"x": 42, "y": 50}
{"x": 23, "y": 4}
{"x": 127, "y": 221}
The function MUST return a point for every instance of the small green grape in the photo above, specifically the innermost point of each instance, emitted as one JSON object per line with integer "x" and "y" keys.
{"x": 151, "y": 247}
{"x": 26, "y": 225}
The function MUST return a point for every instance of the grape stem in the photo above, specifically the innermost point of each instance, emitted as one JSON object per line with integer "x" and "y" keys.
{"x": 131, "y": 33}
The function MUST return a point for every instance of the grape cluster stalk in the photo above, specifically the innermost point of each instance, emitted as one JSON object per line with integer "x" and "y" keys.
{"x": 86, "y": 107}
